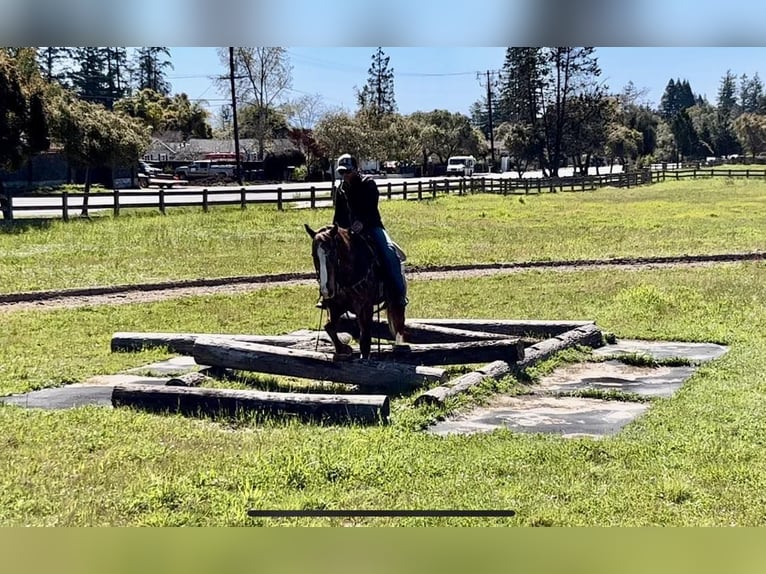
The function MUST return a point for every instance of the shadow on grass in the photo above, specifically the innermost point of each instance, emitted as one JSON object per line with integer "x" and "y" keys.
{"x": 19, "y": 226}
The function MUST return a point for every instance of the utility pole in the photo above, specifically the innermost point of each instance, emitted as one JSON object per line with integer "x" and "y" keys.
{"x": 491, "y": 127}
{"x": 234, "y": 115}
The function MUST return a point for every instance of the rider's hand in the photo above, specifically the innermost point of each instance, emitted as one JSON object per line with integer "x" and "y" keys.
{"x": 357, "y": 226}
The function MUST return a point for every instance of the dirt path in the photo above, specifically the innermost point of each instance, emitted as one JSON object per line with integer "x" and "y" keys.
{"x": 143, "y": 293}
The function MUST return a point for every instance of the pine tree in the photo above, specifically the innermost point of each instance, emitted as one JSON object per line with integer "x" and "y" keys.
{"x": 52, "y": 63}
{"x": 118, "y": 72}
{"x": 522, "y": 81}
{"x": 151, "y": 64}
{"x": 377, "y": 96}
{"x": 751, "y": 94}
{"x": 725, "y": 140}
{"x": 90, "y": 79}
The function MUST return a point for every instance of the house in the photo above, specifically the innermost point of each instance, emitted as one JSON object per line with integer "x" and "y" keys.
{"x": 169, "y": 149}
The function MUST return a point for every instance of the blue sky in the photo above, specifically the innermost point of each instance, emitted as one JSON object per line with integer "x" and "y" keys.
{"x": 429, "y": 78}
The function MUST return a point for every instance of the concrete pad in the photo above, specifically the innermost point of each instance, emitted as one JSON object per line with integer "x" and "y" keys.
{"x": 568, "y": 417}
{"x": 122, "y": 379}
{"x": 63, "y": 397}
{"x": 174, "y": 366}
{"x": 97, "y": 391}
{"x": 659, "y": 350}
{"x": 615, "y": 376}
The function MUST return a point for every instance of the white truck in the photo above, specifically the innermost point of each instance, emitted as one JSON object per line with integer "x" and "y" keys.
{"x": 205, "y": 168}
{"x": 461, "y": 165}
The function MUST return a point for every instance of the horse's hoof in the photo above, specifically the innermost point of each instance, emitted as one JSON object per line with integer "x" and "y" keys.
{"x": 341, "y": 357}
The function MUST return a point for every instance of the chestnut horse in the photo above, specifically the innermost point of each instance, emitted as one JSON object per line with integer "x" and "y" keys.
{"x": 350, "y": 279}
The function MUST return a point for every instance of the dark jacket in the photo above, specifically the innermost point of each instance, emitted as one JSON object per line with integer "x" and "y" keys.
{"x": 357, "y": 200}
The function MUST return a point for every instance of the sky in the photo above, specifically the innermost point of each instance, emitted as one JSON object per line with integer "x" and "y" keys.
{"x": 452, "y": 78}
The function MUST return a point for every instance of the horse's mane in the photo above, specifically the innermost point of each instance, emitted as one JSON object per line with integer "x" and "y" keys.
{"x": 356, "y": 248}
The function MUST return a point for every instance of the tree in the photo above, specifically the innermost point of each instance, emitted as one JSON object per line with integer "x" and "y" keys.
{"x": 151, "y": 65}
{"x": 621, "y": 143}
{"x": 751, "y": 94}
{"x": 751, "y": 132}
{"x": 522, "y": 81}
{"x": 377, "y": 95}
{"x": 704, "y": 118}
{"x": 302, "y": 114}
{"x": 52, "y": 64}
{"x": 589, "y": 115}
{"x": 686, "y": 137}
{"x": 23, "y": 119}
{"x": 338, "y": 132}
{"x": 92, "y": 136}
{"x": 678, "y": 96}
{"x": 261, "y": 76}
{"x": 253, "y": 121}
{"x": 166, "y": 114}
{"x": 573, "y": 72}
{"x": 443, "y": 133}
{"x": 725, "y": 140}
{"x": 90, "y": 79}
{"x": 523, "y": 143}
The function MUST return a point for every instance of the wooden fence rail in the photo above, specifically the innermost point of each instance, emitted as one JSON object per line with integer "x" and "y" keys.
{"x": 163, "y": 199}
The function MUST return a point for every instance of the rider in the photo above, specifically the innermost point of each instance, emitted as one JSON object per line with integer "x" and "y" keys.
{"x": 356, "y": 208}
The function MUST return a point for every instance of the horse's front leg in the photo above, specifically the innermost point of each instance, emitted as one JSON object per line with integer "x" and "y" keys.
{"x": 341, "y": 348}
{"x": 364, "y": 319}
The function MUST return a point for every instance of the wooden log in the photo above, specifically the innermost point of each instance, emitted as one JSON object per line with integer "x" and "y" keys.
{"x": 539, "y": 329}
{"x": 183, "y": 343}
{"x": 510, "y": 350}
{"x": 239, "y": 355}
{"x": 229, "y": 402}
{"x": 418, "y": 333}
{"x": 426, "y": 331}
{"x": 436, "y": 396}
{"x": 587, "y": 335}
{"x": 195, "y": 379}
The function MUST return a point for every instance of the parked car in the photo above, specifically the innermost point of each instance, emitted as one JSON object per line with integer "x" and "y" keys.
{"x": 205, "y": 168}
{"x": 461, "y": 165}
{"x": 148, "y": 169}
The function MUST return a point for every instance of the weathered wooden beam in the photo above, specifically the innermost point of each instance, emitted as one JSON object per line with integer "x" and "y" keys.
{"x": 418, "y": 333}
{"x": 587, "y": 335}
{"x": 423, "y": 330}
{"x": 240, "y": 355}
{"x": 436, "y": 396}
{"x": 183, "y": 343}
{"x": 538, "y": 329}
{"x": 510, "y": 349}
{"x": 366, "y": 409}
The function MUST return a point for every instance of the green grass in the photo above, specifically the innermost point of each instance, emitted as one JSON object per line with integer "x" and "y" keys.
{"x": 697, "y": 458}
{"x": 687, "y": 217}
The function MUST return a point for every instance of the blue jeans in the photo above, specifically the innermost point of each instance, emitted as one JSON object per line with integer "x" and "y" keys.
{"x": 391, "y": 264}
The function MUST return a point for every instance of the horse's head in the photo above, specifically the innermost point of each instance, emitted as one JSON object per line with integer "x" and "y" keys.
{"x": 330, "y": 248}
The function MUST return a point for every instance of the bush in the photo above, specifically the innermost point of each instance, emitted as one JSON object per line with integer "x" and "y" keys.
{"x": 300, "y": 173}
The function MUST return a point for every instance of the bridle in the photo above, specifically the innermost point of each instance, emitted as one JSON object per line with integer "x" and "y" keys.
{"x": 330, "y": 248}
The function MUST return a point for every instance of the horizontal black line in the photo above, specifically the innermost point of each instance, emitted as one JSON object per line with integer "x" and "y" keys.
{"x": 379, "y": 513}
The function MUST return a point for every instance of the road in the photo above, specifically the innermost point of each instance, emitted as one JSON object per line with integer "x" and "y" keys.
{"x": 36, "y": 207}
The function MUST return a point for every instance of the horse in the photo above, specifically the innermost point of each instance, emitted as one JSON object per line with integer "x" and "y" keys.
{"x": 350, "y": 279}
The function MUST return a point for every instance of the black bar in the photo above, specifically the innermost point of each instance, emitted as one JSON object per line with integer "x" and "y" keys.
{"x": 379, "y": 513}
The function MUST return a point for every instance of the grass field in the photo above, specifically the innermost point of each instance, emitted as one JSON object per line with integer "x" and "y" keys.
{"x": 687, "y": 217}
{"x": 697, "y": 458}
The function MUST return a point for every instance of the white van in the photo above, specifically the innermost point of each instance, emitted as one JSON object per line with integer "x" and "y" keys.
{"x": 461, "y": 165}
